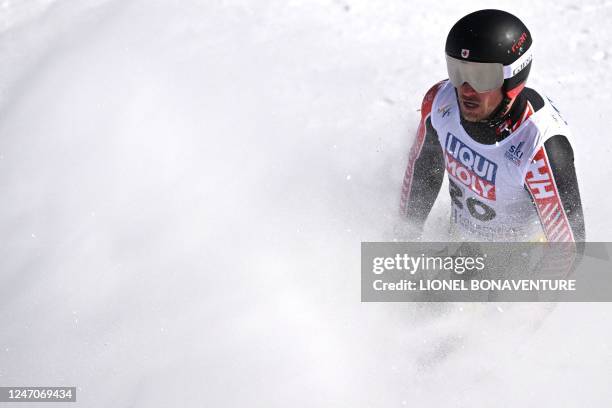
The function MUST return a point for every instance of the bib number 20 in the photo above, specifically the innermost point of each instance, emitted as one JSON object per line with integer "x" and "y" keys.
{"x": 477, "y": 209}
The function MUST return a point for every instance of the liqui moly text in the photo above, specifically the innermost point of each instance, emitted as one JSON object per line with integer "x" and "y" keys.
{"x": 470, "y": 168}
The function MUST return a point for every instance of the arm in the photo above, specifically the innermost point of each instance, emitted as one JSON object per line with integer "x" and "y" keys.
{"x": 552, "y": 183}
{"x": 425, "y": 170}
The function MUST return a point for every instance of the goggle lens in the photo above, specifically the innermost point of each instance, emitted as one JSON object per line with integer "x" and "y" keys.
{"x": 482, "y": 76}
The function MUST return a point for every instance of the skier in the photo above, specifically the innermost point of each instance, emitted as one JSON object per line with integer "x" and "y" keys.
{"x": 505, "y": 147}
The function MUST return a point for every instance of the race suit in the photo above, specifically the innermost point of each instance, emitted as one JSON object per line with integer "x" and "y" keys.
{"x": 514, "y": 182}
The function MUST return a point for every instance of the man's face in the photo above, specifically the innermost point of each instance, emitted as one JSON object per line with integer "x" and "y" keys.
{"x": 478, "y": 106}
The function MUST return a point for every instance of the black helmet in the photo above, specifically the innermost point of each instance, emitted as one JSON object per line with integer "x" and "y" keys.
{"x": 494, "y": 37}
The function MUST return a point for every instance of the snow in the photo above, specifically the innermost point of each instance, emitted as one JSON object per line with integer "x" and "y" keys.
{"x": 186, "y": 185}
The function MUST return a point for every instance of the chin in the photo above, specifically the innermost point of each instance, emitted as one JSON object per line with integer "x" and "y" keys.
{"x": 471, "y": 117}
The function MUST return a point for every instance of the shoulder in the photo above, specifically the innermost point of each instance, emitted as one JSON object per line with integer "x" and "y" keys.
{"x": 534, "y": 98}
{"x": 555, "y": 154}
{"x": 428, "y": 99}
{"x": 559, "y": 149}
{"x": 546, "y": 118}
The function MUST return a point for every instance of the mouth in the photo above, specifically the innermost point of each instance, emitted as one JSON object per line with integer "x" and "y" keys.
{"x": 470, "y": 105}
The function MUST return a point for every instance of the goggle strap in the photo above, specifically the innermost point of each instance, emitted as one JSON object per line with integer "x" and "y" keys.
{"x": 518, "y": 65}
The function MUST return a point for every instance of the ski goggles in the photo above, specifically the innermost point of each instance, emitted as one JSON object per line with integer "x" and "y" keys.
{"x": 484, "y": 76}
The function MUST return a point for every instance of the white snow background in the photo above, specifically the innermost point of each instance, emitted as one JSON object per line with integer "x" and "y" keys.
{"x": 185, "y": 186}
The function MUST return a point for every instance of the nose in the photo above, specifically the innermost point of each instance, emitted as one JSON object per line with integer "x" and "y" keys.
{"x": 467, "y": 90}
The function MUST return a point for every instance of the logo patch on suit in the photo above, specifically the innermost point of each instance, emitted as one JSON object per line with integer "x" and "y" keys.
{"x": 514, "y": 153}
{"x": 470, "y": 168}
{"x": 445, "y": 110}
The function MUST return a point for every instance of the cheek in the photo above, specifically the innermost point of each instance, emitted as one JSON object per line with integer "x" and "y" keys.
{"x": 494, "y": 99}
{"x": 488, "y": 102}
